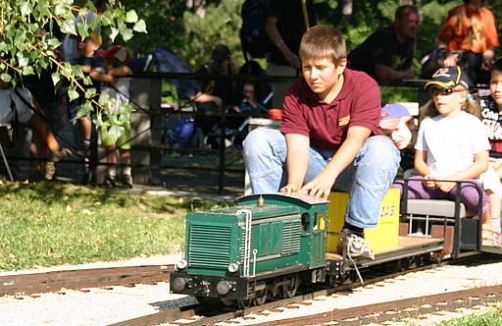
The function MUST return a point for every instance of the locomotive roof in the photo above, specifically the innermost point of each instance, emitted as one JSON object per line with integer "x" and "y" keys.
{"x": 297, "y": 198}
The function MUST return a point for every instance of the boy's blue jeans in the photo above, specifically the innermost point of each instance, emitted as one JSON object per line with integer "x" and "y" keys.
{"x": 367, "y": 180}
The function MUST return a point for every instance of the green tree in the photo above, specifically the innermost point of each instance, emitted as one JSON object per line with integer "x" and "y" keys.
{"x": 29, "y": 45}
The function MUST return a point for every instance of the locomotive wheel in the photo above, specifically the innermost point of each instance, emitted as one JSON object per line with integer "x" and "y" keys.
{"x": 292, "y": 283}
{"x": 245, "y": 303}
{"x": 261, "y": 297}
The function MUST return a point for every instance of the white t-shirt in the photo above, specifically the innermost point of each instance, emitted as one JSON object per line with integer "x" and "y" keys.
{"x": 10, "y": 100}
{"x": 119, "y": 91}
{"x": 451, "y": 143}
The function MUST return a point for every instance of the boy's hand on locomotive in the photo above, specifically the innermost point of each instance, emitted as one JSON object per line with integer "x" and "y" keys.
{"x": 318, "y": 188}
{"x": 289, "y": 188}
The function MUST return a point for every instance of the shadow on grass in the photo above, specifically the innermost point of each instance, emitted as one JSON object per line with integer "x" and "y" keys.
{"x": 55, "y": 193}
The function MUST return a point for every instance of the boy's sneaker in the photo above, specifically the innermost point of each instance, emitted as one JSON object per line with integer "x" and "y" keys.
{"x": 126, "y": 180}
{"x": 110, "y": 182}
{"x": 355, "y": 246}
{"x": 48, "y": 170}
{"x": 62, "y": 154}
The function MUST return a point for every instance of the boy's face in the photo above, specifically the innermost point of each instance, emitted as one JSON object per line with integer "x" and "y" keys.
{"x": 401, "y": 136}
{"x": 248, "y": 91}
{"x": 87, "y": 46}
{"x": 322, "y": 75}
{"x": 496, "y": 87}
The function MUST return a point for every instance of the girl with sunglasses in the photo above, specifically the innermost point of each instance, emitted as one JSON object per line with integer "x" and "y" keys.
{"x": 451, "y": 144}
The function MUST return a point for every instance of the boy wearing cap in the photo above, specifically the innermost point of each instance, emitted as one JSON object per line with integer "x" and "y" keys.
{"x": 451, "y": 145}
{"x": 324, "y": 140}
{"x": 398, "y": 124}
{"x": 116, "y": 84}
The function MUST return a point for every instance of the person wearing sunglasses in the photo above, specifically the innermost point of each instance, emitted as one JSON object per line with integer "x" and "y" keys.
{"x": 451, "y": 144}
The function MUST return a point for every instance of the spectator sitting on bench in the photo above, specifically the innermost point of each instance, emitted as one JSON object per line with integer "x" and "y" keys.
{"x": 451, "y": 145}
{"x": 17, "y": 107}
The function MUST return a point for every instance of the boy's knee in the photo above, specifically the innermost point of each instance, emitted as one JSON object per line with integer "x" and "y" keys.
{"x": 381, "y": 150}
{"x": 256, "y": 139}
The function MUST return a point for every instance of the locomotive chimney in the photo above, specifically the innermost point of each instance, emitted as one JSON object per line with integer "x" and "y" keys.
{"x": 260, "y": 202}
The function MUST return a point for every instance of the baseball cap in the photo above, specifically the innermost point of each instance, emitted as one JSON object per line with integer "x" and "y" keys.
{"x": 117, "y": 51}
{"x": 392, "y": 114}
{"x": 220, "y": 53}
{"x": 449, "y": 77}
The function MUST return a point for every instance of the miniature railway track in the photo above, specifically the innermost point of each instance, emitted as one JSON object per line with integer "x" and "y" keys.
{"x": 361, "y": 315}
{"x": 398, "y": 309}
{"x": 208, "y": 315}
{"x": 27, "y": 284}
{"x": 54, "y": 281}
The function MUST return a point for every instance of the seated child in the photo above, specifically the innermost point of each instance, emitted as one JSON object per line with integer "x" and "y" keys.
{"x": 397, "y": 123}
{"x": 451, "y": 145}
{"x": 16, "y": 106}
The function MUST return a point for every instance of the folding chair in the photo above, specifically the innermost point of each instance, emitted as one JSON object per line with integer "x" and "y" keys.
{"x": 4, "y": 158}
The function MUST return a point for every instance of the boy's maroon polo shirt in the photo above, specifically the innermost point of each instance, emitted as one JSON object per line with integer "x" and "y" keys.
{"x": 326, "y": 124}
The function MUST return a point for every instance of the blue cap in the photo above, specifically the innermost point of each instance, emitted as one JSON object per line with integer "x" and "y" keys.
{"x": 392, "y": 115}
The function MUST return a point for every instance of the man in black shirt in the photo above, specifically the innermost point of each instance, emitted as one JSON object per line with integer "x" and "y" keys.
{"x": 387, "y": 54}
{"x": 286, "y": 23}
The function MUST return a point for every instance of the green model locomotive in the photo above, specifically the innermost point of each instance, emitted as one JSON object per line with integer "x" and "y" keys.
{"x": 262, "y": 246}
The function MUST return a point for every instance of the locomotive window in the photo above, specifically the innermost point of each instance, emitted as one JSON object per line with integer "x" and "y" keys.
{"x": 305, "y": 221}
{"x": 316, "y": 219}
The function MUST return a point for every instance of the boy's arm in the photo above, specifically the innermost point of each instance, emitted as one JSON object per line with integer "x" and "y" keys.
{"x": 296, "y": 161}
{"x": 119, "y": 71}
{"x": 322, "y": 183}
{"x": 86, "y": 69}
{"x": 102, "y": 77}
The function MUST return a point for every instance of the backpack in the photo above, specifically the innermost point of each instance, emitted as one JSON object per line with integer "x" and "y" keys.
{"x": 253, "y": 36}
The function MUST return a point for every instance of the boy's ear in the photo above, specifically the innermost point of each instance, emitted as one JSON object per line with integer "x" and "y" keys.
{"x": 342, "y": 63}
{"x": 340, "y": 66}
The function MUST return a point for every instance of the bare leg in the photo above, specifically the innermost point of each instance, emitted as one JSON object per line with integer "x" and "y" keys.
{"x": 45, "y": 132}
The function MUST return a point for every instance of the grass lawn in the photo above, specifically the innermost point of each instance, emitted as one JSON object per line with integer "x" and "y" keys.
{"x": 48, "y": 223}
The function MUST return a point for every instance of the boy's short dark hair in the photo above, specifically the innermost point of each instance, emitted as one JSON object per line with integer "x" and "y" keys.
{"x": 322, "y": 41}
{"x": 497, "y": 65}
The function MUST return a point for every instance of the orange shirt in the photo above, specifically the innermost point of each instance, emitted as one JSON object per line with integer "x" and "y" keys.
{"x": 470, "y": 30}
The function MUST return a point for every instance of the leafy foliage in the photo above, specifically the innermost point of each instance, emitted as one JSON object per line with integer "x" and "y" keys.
{"x": 30, "y": 40}
{"x": 190, "y": 27}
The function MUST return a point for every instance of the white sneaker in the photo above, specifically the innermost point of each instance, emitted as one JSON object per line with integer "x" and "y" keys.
{"x": 48, "y": 170}
{"x": 358, "y": 247}
{"x": 354, "y": 246}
